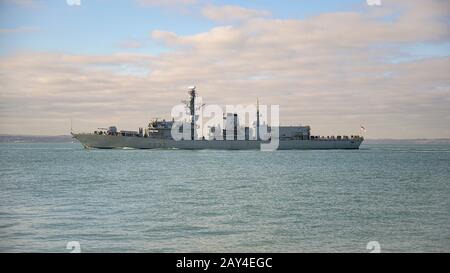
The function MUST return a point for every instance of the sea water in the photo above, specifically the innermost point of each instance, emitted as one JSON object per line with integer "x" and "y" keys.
{"x": 397, "y": 195}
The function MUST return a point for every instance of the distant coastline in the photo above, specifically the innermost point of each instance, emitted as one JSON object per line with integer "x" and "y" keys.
{"x": 68, "y": 139}
{"x": 38, "y": 139}
{"x": 408, "y": 141}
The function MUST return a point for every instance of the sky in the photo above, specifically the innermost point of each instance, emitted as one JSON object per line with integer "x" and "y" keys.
{"x": 334, "y": 65}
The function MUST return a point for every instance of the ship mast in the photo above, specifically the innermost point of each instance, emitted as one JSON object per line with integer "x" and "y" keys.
{"x": 257, "y": 119}
{"x": 191, "y": 105}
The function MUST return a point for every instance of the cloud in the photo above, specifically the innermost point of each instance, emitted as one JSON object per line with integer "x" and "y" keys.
{"x": 170, "y": 38}
{"x": 334, "y": 71}
{"x": 232, "y": 13}
{"x": 219, "y": 38}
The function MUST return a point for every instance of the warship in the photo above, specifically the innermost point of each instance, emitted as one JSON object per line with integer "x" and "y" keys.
{"x": 160, "y": 135}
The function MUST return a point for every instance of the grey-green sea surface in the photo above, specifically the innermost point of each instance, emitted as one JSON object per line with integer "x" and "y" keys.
{"x": 224, "y": 201}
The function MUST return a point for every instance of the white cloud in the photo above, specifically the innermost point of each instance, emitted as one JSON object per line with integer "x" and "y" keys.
{"x": 229, "y": 13}
{"x": 219, "y": 38}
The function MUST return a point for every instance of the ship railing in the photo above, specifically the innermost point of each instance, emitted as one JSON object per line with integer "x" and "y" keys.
{"x": 336, "y": 138}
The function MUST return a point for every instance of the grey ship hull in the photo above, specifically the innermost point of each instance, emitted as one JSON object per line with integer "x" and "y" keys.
{"x": 111, "y": 142}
